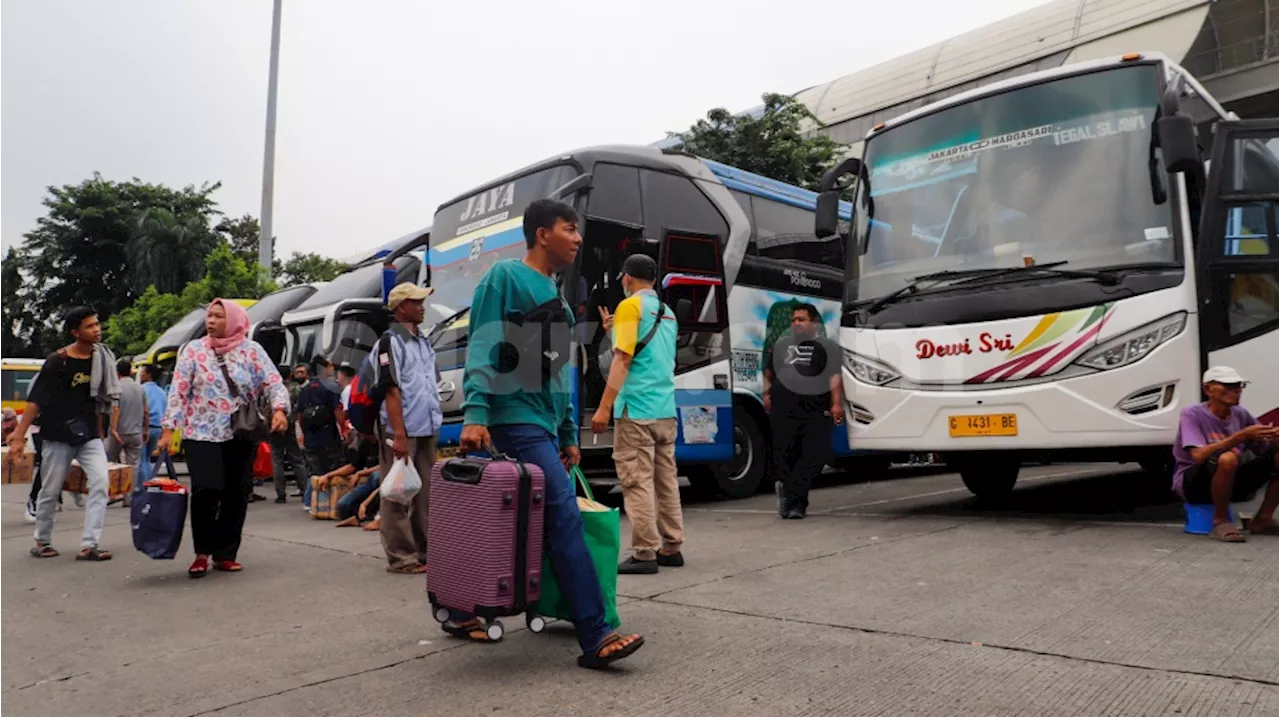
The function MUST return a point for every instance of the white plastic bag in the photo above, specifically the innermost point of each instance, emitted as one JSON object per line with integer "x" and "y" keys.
{"x": 402, "y": 482}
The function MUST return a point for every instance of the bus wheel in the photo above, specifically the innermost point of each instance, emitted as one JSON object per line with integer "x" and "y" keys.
{"x": 990, "y": 480}
{"x": 740, "y": 476}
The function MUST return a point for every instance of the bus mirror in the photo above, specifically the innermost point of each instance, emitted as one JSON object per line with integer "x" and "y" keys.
{"x": 826, "y": 221}
{"x": 1178, "y": 144}
{"x": 684, "y": 312}
{"x": 577, "y": 184}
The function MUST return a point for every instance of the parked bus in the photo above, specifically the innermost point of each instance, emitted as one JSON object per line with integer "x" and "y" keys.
{"x": 736, "y": 248}
{"x": 343, "y": 319}
{"x": 16, "y": 376}
{"x": 1042, "y": 266}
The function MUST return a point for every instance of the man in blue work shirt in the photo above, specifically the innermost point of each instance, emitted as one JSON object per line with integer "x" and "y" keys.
{"x": 411, "y": 418}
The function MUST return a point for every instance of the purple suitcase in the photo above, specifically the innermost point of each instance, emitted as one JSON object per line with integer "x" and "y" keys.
{"x": 484, "y": 540}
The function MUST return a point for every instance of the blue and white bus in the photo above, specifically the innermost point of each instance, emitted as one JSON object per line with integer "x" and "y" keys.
{"x": 738, "y": 247}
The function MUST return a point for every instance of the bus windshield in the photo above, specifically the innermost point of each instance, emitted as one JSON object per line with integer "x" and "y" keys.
{"x": 1053, "y": 172}
{"x": 179, "y": 333}
{"x": 468, "y": 236}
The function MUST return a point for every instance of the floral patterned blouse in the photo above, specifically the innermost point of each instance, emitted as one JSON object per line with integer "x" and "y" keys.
{"x": 200, "y": 404}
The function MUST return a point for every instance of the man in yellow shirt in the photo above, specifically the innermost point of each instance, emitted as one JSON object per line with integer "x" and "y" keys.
{"x": 640, "y": 396}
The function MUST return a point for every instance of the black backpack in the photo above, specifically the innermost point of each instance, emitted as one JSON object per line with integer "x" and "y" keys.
{"x": 314, "y": 415}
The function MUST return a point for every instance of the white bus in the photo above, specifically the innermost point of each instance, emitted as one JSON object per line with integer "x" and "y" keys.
{"x": 737, "y": 247}
{"x": 1044, "y": 267}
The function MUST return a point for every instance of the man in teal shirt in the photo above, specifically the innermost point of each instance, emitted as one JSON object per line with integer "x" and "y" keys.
{"x": 640, "y": 395}
{"x": 516, "y": 398}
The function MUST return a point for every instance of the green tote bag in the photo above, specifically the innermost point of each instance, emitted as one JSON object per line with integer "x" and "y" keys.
{"x": 602, "y": 527}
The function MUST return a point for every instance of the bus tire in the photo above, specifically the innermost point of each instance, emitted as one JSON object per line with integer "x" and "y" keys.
{"x": 990, "y": 481}
{"x": 742, "y": 475}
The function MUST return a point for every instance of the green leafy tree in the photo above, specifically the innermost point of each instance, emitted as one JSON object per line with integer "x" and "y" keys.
{"x": 242, "y": 234}
{"x": 13, "y": 311}
{"x": 779, "y": 143}
{"x": 168, "y": 250}
{"x": 81, "y": 253}
{"x": 308, "y": 268}
{"x": 133, "y": 330}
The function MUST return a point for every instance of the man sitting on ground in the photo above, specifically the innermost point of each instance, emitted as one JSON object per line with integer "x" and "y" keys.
{"x": 1224, "y": 455}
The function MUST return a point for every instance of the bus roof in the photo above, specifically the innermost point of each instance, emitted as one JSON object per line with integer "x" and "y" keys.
{"x": 666, "y": 161}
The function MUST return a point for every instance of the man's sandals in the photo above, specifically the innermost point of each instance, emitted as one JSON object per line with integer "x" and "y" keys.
{"x": 614, "y": 647}
{"x": 1227, "y": 533}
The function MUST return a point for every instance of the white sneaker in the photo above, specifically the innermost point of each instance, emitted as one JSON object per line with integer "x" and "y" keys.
{"x": 79, "y": 499}
{"x": 29, "y": 514}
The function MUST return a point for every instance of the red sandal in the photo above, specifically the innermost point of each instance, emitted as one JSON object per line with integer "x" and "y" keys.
{"x": 199, "y": 568}
{"x": 228, "y": 566}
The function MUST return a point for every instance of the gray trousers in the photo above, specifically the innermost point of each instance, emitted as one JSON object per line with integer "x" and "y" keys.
{"x": 131, "y": 445}
{"x": 55, "y": 461}
{"x": 284, "y": 446}
{"x": 404, "y": 527}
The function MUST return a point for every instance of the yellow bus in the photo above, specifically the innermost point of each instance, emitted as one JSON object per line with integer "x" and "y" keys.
{"x": 16, "y": 376}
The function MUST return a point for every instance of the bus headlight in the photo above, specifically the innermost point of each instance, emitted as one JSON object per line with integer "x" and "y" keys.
{"x": 1131, "y": 347}
{"x": 868, "y": 370}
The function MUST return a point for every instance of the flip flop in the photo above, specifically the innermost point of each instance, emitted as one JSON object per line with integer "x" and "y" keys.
{"x": 596, "y": 661}
{"x": 44, "y": 551}
{"x": 227, "y": 566}
{"x": 94, "y": 555}
{"x": 1227, "y": 533}
{"x": 415, "y": 569}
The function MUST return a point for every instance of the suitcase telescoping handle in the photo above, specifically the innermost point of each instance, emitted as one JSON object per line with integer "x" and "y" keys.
{"x": 469, "y": 470}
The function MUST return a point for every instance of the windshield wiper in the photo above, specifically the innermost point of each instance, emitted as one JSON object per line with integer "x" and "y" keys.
{"x": 1106, "y": 277}
{"x": 445, "y": 322}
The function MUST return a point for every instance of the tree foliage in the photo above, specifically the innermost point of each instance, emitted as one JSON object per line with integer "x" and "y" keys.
{"x": 242, "y": 234}
{"x": 133, "y": 330}
{"x": 309, "y": 268}
{"x": 81, "y": 253}
{"x": 778, "y": 142}
{"x": 142, "y": 254}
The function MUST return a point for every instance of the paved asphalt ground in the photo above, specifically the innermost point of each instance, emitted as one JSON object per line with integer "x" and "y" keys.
{"x": 897, "y": 596}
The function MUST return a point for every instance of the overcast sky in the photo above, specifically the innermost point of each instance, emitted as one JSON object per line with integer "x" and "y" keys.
{"x": 389, "y": 108}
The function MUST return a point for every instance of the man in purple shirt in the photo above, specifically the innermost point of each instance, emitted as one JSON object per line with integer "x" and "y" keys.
{"x": 1223, "y": 454}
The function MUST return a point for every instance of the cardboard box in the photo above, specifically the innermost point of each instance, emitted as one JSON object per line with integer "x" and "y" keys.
{"x": 119, "y": 480}
{"x": 20, "y": 468}
{"x": 324, "y": 503}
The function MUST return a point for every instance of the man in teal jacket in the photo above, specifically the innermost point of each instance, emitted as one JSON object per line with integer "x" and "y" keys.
{"x": 516, "y": 398}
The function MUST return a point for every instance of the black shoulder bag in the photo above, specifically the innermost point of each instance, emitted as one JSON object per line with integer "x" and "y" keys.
{"x": 248, "y": 422}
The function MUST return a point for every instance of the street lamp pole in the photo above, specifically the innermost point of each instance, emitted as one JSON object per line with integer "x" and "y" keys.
{"x": 266, "y": 238}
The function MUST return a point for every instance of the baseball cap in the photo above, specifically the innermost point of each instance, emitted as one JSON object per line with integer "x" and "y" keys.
{"x": 1222, "y": 374}
{"x": 640, "y": 266}
{"x": 408, "y": 291}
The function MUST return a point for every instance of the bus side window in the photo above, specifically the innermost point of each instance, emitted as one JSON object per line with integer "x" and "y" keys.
{"x": 785, "y": 232}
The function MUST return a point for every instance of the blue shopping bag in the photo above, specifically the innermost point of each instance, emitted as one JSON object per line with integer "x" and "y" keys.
{"x": 158, "y": 516}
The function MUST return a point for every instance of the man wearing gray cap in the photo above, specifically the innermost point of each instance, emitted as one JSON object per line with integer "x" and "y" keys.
{"x": 1223, "y": 454}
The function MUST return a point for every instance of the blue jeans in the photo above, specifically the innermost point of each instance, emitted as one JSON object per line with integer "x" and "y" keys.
{"x": 349, "y": 504}
{"x": 565, "y": 541}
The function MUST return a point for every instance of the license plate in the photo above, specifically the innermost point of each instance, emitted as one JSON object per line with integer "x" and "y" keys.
{"x": 991, "y": 424}
{"x": 446, "y": 451}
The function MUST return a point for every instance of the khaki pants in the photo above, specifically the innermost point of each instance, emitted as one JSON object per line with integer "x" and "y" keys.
{"x": 644, "y": 451}
{"x": 404, "y": 527}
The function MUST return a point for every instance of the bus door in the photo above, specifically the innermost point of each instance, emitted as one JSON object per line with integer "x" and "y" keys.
{"x": 691, "y": 282}
{"x": 1237, "y": 260}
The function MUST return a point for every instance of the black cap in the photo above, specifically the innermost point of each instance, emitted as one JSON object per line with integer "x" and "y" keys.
{"x": 640, "y": 266}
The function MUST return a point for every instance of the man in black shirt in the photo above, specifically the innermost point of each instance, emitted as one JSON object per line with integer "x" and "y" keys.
{"x": 322, "y": 419}
{"x": 71, "y": 392}
{"x": 804, "y": 397}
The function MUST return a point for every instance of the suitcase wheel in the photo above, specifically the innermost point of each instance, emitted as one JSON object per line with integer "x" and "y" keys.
{"x": 494, "y": 631}
{"x": 441, "y": 615}
{"x": 535, "y": 623}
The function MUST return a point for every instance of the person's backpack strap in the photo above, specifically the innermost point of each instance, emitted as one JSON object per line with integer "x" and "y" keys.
{"x": 648, "y": 335}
